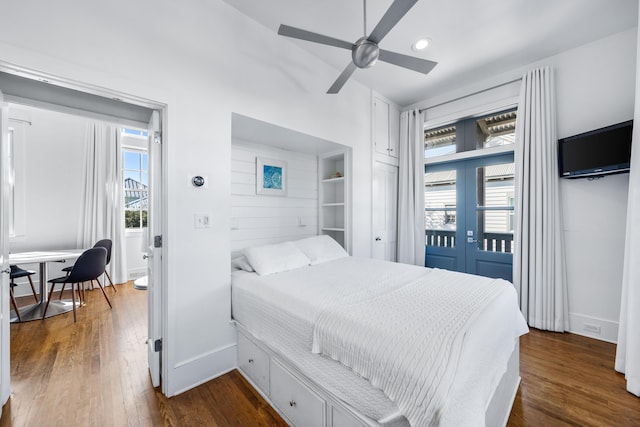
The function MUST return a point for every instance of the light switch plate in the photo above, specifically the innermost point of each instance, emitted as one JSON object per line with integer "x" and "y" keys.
{"x": 202, "y": 221}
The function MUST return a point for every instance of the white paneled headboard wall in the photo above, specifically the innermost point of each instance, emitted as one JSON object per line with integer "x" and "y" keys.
{"x": 262, "y": 219}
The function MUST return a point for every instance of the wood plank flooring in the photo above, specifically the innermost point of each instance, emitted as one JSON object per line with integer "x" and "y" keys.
{"x": 94, "y": 373}
{"x": 569, "y": 380}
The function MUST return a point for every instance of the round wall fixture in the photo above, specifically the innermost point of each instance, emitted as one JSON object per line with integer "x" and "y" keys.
{"x": 198, "y": 181}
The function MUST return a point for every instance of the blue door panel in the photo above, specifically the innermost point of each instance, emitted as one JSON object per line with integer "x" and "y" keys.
{"x": 441, "y": 261}
{"x": 495, "y": 269}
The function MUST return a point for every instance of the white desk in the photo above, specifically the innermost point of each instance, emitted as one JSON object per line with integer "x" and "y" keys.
{"x": 35, "y": 311}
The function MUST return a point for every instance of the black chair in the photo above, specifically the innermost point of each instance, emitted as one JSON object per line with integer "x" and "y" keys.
{"x": 89, "y": 266}
{"x": 104, "y": 243}
{"x": 17, "y": 272}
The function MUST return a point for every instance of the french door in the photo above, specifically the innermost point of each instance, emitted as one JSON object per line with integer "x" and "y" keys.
{"x": 469, "y": 215}
{"x": 154, "y": 250}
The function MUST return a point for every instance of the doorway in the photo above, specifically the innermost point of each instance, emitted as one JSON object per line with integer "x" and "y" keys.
{"x": 110, "y": 106}
{"x": 469, "y": 207}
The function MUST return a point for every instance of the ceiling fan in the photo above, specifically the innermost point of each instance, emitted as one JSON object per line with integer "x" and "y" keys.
{"x": 365, "y": 51}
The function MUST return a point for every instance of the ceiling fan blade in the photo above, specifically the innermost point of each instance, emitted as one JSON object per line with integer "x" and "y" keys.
{"x": 297, "y": 33}
{"x": 342, "y": 78}
{"x": 412, "y": 63}
{"x": 394, "y": 14}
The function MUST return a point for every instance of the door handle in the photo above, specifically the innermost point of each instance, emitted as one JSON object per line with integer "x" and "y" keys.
{"x": 471, "y": 240}
{"x": 7, "y": 271}
{"x": 378, "y": 239}
{"x": 146, "y": 256}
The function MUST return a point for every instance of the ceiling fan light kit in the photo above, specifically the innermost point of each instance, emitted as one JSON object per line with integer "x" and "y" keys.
{"x": 365, "y": 51}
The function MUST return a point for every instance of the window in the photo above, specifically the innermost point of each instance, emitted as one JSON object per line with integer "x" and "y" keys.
{"x": 450, "y": 215}
{"x": 136, "y": 188}
{"x": 440, "y": 141}
{"x": 471, "y": 134}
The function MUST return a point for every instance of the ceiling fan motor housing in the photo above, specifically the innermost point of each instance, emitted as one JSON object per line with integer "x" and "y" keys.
{"x": 365, "y": 53}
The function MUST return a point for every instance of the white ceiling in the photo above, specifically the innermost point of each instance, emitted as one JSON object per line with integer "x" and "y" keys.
{"x": 472, "y": 39}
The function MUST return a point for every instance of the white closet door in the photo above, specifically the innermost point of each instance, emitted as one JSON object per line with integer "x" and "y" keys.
{"x": 385, "y": 211}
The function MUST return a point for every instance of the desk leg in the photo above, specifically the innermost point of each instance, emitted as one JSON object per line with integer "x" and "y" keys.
{"x": 43, "y": 284}
{"x": 36, "y": 311}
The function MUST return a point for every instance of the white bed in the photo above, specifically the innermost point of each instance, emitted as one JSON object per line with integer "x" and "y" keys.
{"x": 281, "y": 311}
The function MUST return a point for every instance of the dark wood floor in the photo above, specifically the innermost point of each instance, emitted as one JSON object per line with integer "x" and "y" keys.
{"x": 569, "y": 380}
{"x": 94, "y": 373}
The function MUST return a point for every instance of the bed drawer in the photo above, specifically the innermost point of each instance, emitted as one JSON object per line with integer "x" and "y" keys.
{"x": 296, "y": 401}
{"x": 341, "y": 418}
{"x": 254, "y": 362}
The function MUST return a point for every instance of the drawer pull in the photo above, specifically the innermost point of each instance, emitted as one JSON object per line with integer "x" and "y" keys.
{"x": 292, "y": 403}
{"x": 250, "y": 360}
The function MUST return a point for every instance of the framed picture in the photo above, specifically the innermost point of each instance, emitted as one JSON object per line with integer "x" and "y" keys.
{"x": 271, "y": 177}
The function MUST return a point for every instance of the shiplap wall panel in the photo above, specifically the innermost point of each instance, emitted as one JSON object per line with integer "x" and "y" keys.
{"x": 259, "y": 219}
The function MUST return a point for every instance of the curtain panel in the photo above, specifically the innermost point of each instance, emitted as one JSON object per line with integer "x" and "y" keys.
{"x": 411, "y": 238}
{"x": 102, "y": 210}
{"x": 538, "y": 260}
{"x": 628, "y": 350}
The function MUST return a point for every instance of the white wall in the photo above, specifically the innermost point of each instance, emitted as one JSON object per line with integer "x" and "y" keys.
{"x": 53, "y": 154}
{"x": 205, "y": 61}
{"x": 592, "y": 94}
{"x": 260, "y": 219}
{"x": 595, "y": 87}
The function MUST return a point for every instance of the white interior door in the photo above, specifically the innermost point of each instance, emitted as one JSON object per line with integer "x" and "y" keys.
{"x": 5, "y": 365}
{"x": 385, "y": 211}
{"x": 154, "y": 251}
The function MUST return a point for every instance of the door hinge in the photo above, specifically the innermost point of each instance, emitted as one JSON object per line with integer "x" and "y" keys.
{"x": 157, "y": 137}
{"x": 157, "y": 241}
{"x": 157, "y": 345}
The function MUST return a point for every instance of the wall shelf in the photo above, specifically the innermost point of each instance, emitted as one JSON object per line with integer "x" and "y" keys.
{"x": 334, "y": 198}
{"x": 335, "y": 180}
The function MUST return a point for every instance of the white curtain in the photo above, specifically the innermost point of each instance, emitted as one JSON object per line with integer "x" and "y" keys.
{"x": 411, "y": 240}
{"x": 628, "y": 350}
{"x": 102, "y": 211}
{"x": 538, "y": 260}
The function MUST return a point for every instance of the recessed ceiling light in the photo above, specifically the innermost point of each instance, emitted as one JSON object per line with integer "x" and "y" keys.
{"x": 421, "y": 44}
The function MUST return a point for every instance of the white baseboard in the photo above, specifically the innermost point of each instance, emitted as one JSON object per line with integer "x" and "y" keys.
{"x": 588, "y": 326}
{"x": 137, "y": 273}
{"x": 198, "y": 370}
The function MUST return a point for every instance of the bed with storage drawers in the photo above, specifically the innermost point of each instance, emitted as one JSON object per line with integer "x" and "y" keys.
{"x": 334, "y": 340}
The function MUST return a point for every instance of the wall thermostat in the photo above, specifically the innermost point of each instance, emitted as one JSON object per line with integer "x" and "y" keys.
{"x": 197, "y": 181}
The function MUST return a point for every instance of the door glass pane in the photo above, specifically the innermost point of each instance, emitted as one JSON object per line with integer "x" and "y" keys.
{"x": 499, "y": 129}
{"x": 440, "y": 208}
{"x": 495, "y": 196}
{"x": 440, "y": 141}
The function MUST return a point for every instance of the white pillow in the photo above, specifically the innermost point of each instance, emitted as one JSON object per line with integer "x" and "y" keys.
{"x": 269, "y": 259}
{"x": 241, "y": 263}
{"x": 321, "y": 249}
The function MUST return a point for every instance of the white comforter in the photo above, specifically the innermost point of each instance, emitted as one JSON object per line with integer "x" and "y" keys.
{"x": 408, "y": 341}
{"x": 283, "y": 309}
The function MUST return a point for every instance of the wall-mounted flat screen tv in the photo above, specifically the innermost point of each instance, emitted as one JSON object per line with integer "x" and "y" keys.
{"x": 598, "y": 152}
